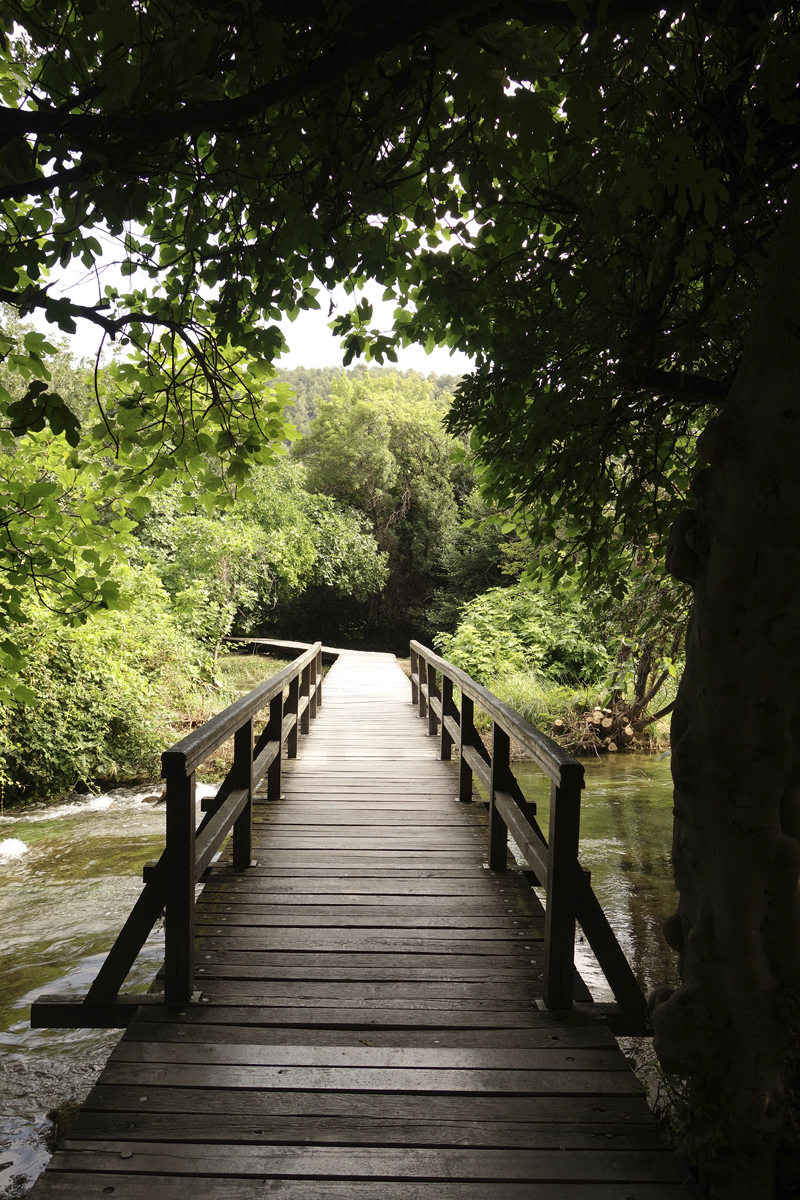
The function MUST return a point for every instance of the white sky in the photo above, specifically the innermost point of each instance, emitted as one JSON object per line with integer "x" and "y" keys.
{"x": 311, "y": 343}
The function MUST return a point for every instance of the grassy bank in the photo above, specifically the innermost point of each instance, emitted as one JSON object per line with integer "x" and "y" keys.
{"x": 544, "y": 703}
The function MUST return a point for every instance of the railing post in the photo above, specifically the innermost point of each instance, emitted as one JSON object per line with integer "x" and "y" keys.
{"x": 414, "y": 672}
{"x": 559, "y": 929}
{"x": 292, "y": 705}
{"x": 274, "y": 732}
{"x": 423, "y": 678}
{"x": 433, "y": 690}
{"x": 498, "y": 831}
{"x": 305, "y": 689}
{"x": 243, "y": 778}
{"x": 448, "y": 710}
{"x": 179, "y": 924}
{"x": 318, "y": 669}
{"x": 313, "y": 683}
{"x": 465, "y": 734}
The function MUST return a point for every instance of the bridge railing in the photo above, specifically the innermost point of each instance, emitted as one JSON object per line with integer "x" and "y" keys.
{"x": 170, "y": 882}
{"x": 553, "y": 861}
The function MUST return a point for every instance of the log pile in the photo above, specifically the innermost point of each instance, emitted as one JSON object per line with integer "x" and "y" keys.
{"x": 610, "y": 729}
{"x": 605, "y": 730}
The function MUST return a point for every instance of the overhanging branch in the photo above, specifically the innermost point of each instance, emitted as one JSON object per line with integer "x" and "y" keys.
{"x": 362, "y": 41}
{"x": 674, "y": 383}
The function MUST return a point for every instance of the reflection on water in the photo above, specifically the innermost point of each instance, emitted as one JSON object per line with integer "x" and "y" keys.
{"x": 626, "y": 840}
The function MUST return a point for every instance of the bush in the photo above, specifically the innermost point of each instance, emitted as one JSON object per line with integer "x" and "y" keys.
{"x": 102, "y": 690}
{"x": 521, "y": 630}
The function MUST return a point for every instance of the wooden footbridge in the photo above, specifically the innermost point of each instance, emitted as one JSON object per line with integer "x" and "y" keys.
{"x": 365, "y": 1000}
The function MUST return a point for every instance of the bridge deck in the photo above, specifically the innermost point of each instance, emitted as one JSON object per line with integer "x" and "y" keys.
{"x": 368, "y": 1025}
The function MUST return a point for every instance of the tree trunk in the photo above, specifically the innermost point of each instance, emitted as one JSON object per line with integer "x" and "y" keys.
{"x": 731, "y": 1029}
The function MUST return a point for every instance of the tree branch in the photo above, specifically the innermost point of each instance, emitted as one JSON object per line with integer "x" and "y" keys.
{"x": 645, "y": 721}
{"x": 674, "y": 383}
{"x": 45, "y": 183}
{"x": 362, "y": 43}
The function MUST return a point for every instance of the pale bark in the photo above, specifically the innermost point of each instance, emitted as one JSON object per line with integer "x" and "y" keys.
{"x": 732, "y": 1026}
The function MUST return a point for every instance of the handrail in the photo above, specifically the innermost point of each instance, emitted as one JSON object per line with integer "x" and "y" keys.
{"x": 553, "y": 861}
{"x": 170, "y": 882}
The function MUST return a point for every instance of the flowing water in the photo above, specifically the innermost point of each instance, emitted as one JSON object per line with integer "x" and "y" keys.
{"x": 626, "y": 839}
{"x": 69, "y": 875}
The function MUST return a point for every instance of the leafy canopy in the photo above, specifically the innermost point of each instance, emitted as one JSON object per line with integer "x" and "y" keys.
{"x": 579, "y": 195}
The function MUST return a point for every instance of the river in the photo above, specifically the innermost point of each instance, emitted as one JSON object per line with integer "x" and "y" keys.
{"x": 69, "y": 874}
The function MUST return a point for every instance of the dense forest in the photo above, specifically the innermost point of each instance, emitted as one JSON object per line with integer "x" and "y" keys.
{"x": 368, "y": 529}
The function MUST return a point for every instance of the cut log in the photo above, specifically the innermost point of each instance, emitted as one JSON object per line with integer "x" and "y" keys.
{"x": 606, "y": 725}
{"x": 612, "y": 747}
{"x": 559, "y": 726}
{"x": 626, "y": 735}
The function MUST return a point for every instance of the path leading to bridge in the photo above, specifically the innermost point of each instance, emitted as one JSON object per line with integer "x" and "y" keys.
{"x": 368, "y": 1024}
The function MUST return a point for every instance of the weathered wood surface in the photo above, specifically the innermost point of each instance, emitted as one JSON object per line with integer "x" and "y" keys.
{"x": 368, "y": 1024}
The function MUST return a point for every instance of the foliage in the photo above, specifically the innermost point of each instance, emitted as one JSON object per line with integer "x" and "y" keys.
{"x": 579, "y": 197}
{"x": 608, "y": 289}
{"x": 378, "y": 444}
{"x": 70, "y": 506}
{"x": 98, "y": 689}
{"x": 241, "y": 568}
{"x": 474, "y": 555}
{"x": 541, "y": 701}
{"x": 312, "y": 384}
{"x": 519, "y": 629}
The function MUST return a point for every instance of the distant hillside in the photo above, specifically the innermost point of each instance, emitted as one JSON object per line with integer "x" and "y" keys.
{"x": 312, "y": 384}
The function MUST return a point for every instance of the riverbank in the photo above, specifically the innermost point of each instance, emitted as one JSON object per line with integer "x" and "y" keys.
{"x": 569, "y": 716}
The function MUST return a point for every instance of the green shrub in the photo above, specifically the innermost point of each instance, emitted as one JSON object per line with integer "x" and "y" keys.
{"x": 519, "y": 630}
{"x": 101, "y": 690}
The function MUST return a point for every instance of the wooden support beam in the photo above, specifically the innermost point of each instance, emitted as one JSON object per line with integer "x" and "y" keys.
{"x": 211, "y": 837}
{"x": 607, "y": 950}
{"x": 499, "y": 776}
{"x": 243, "y": 782}
{"x": 132, "y": 936}
{"x": 264, "y": 761}
{"x": 62, "y": 1010}
{"x": 305, "y": 690}
{"x": 180, "y": 852}
{"x": 565, "y": 819}
{"x": 433, "y": 696}
{"x": 291, "y": 708}
{"x": 274, "y": 730}
{"x": 524, "y": 829}
{"x": 448, "y": 713}
{"x": 466, "y": 733}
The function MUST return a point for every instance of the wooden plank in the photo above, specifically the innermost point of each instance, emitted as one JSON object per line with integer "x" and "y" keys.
{"x": 408, "y": 1058}
{"x": 316, "y": 1018}
{"x": 282, "y": 1162}
{"x": 156, "y": 1025}
{"x": 407, "y": 1106}
{"x": 477, "y": 763}
{"x": 541, "y": 1083}
{"x": 76, "y": 1185}
{"x": 362, "y": 1131}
